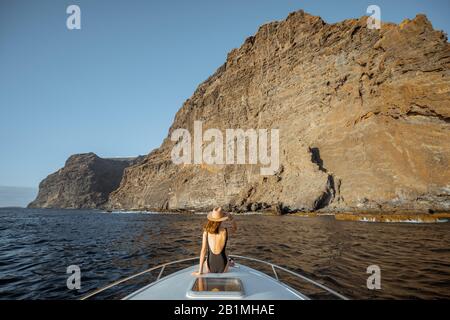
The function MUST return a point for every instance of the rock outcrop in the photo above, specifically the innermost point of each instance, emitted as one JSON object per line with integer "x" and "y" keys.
{"x": 85, "y": 182}
{"x": 363, "y": 117}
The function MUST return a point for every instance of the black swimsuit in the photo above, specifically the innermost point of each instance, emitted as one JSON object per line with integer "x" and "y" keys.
{"x": 217, "y": 262}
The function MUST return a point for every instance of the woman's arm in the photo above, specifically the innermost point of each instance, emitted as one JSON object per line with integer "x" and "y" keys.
{"x": 202, "y": 253}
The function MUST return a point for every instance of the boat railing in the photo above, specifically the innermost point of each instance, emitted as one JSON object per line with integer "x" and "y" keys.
{"x": 163, "y": 266}
{"x": 274, "y": 268}
{"x": 116, "y": 283}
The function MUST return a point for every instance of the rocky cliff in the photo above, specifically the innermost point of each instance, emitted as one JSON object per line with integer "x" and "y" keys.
{"x": 363, "y": 117}
{"x": 85, "y": 182}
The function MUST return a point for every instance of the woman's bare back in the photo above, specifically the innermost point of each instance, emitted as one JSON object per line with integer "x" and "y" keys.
{"x": 217, "y": 241}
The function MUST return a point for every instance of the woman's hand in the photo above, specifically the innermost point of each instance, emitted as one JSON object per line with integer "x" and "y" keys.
{"x": 197, "y": 273}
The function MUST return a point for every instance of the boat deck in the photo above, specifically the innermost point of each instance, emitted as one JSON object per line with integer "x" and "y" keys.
{"x": 256, "y": 286}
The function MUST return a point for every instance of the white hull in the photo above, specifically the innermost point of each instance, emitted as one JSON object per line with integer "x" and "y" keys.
{"x": 256, "y": 286}
{"x": 240, "y": 282}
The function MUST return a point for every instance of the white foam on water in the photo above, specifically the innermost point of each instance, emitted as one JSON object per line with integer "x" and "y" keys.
{"x": 418, "y": 221}
{"x": 128, "y": 212}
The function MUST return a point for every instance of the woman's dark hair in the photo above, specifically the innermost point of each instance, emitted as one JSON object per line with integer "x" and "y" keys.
{"x": 212, "y": 227}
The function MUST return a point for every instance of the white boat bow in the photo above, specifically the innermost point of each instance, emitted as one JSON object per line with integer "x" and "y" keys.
{"x": 240, "y": 282}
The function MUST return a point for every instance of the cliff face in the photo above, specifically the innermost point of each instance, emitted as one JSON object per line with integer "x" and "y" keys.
{"x": 363, "y": 117}
{"x": 85, "y": 182}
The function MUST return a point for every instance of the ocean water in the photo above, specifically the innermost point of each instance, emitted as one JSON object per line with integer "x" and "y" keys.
{"x": 37, "y": 246}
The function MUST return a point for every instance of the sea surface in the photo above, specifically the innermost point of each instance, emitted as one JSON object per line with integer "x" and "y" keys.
{"x": 37, "y": 246}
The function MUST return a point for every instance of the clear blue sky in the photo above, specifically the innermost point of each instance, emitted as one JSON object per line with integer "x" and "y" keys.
{"x": 114, "y": 86}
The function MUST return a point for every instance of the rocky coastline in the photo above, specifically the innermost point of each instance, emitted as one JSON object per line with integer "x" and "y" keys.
{"x": 363, "y": 116}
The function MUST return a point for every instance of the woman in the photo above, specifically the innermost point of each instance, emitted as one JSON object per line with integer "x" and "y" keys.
{"x": 215, "y": 237}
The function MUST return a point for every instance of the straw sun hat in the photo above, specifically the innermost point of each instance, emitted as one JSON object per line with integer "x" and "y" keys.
{"x": 217, "y": 215}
